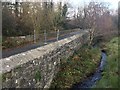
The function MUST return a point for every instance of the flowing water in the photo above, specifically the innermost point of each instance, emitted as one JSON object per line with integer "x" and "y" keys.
{"x": 91, "y": 81}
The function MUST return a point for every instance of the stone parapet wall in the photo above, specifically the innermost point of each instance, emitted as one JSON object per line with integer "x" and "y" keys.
{"x": 37, "y": 67}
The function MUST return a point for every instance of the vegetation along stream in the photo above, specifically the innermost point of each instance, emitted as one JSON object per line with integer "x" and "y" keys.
{"x": 106, "y": 76}
{"x": 90, "y": 81}
{"x": 90, "y": 68}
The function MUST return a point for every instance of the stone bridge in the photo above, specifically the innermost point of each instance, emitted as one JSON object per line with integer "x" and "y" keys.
{"x": 37, "y": 67}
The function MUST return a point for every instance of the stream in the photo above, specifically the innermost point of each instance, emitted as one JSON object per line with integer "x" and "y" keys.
{"x": 91, "y": 81}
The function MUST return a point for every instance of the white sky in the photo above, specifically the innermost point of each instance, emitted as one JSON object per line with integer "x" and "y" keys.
{"x": 76, "y": 3}
{"x": 113, "y": 4}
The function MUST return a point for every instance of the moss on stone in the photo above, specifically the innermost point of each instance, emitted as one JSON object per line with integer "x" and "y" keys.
{"x": 38, "y": 75}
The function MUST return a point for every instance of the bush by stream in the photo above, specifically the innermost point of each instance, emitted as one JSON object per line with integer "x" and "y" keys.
{"x": 77, "y": 68}
{"x": 110, "y": 73}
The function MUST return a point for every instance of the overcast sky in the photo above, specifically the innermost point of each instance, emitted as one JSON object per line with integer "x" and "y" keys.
{"x": 76, "y": 3}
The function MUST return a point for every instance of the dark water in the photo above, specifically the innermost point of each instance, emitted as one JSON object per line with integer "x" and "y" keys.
{"x": 90, "y": 81}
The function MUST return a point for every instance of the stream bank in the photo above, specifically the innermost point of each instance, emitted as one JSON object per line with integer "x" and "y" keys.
{"x": 85, "y": 67}
{"x": 90, "y": 81}
{"x": 107, "y": 75}
{"x": 110, "y": 75}
{"x": 81, "y": 65}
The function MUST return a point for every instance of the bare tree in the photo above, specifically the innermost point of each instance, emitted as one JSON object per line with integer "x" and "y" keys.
{"x": 91, "y": 15}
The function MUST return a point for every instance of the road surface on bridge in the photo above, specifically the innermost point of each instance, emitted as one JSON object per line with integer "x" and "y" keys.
{"x": 7, "y": 53}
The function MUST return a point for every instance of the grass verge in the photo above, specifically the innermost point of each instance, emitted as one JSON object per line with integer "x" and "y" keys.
{"x": 77, "y": 67}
